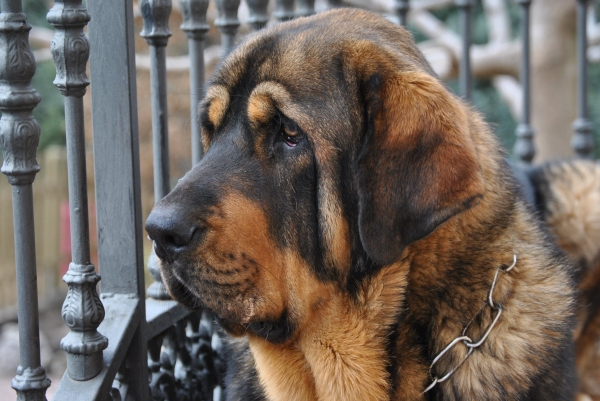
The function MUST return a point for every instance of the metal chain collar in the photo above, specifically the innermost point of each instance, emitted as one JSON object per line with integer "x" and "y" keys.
{"x": 466, "y": 340}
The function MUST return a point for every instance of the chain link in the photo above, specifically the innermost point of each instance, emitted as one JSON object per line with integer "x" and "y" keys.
{"x": 466, "y": 340}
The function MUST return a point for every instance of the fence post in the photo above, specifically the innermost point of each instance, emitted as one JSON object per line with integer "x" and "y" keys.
{"x": 227, "y": 22}
{"x": 195, "y": 26}
{"x": 19, "y": 137}
{"x": 156, "y": 32}
{"x": 583, "y": 140}
{"x": 465, "y": 78}
{"x": 524, "y": 148}
{"x": 82, "y": 310}
{"x": 258, "y": 17}
{"x": 118, "y": 192}
{"x": 401, "y": 7}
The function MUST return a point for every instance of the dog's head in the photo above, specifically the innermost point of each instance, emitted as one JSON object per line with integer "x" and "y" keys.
{"x": 330, "y": 147}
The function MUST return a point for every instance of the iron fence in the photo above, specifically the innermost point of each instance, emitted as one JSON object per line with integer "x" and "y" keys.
{"x": 122, "y": 329}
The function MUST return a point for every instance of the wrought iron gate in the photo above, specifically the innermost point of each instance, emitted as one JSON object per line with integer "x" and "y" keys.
{"x": 117, "y": 333}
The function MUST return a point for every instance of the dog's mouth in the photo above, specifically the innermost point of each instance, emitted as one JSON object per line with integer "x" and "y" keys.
{"x": 235, "y": 313}
{"x": 182, "y": 294}
{"x": 274, "y": 331}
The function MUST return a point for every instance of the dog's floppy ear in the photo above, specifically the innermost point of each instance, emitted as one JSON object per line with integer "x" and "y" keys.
{"x": 417, "y": 163}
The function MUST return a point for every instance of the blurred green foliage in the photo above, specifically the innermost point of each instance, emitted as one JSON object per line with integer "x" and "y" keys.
{"x": 50, "y": 113}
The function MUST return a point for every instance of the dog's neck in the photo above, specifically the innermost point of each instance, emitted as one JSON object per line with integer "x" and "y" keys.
{"x": 346, "y": 351}
{"x": 367, "y": 347}
{"x": 342, "y": 352}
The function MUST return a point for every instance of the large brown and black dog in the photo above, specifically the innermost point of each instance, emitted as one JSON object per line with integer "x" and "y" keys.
{"x": 352, "y": 218}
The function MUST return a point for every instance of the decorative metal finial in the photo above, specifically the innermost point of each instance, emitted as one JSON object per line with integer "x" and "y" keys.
{"x": 285, "y": 10}
{"x": 194, "y": 18}
{"x": 227, "y": 22}
{"x": 19, "y": 131}
{"x": 195, "y": 26}
{"x": 258, "y": 14}
{"x": 155, "y": 14}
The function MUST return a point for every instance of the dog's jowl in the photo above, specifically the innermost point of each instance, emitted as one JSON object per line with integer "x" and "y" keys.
{"x": 355, "y": 229}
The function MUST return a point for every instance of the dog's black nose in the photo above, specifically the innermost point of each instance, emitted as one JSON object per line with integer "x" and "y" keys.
{"x": 171, "y": 232}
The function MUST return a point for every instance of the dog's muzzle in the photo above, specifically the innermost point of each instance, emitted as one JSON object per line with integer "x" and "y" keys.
{"x": 171, "y": 232}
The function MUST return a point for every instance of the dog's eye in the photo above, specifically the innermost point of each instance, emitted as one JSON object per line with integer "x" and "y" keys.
{"x": 291, "y": 139}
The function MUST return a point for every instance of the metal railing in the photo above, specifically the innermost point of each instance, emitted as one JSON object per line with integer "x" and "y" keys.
{"x": 118, "y": 332}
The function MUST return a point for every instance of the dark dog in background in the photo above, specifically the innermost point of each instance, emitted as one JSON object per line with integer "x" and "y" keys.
{"x": 356, "y": 230}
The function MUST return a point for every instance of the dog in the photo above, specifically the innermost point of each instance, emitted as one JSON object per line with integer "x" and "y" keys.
{"x": 566, "y": 197}
{"x": 358, "y": 233}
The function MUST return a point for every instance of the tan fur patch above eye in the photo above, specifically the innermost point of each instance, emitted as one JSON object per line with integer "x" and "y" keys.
{"x": 268, "y": 96}
{"x": 260, "y": 109}
{"x": 218, "y": 96}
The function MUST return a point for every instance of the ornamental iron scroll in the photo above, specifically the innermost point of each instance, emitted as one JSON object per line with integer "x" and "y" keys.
{"x": 19, "y": 137}
{"x": 121, "y": 390}
{"x": 82, "y": 310}
{"x": 185, "y": 361}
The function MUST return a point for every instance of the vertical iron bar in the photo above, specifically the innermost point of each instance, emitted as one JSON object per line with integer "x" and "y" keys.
{"x": 195, "y": 26}
{"x": 285, "y": 10}
{"x": 227, "y": 22}
{"x": 30, "y": 381}
{"x": 258, "y": 14}
{"x": 583, "y": 140}
{"x": 401, "y": 7}
{"x": 82, "y": 310}
{"x": 19, "y": 137}
{"x": 305, "y": 8}
{"x": 156, "y": 31}
{"x": 465, "y": 77}
{"x": 524, "y": 148}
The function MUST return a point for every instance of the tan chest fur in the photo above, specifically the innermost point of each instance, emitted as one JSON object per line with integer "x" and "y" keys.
{"x": 341, "y": 354}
